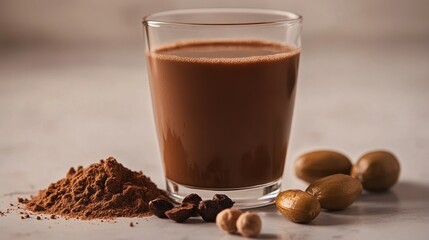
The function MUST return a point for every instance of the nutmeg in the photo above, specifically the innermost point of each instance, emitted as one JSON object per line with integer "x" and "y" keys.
{"x": 335, "y": 192}
{"x": 377, "y": 170}
{"x": 298, "y": 206}
{"x": 318, "y": 164}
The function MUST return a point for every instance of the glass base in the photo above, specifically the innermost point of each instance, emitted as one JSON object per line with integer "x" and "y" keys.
{"x": 244, "y": 198}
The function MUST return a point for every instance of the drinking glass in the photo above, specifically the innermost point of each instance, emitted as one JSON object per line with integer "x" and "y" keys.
{"x": 223, "y": 85}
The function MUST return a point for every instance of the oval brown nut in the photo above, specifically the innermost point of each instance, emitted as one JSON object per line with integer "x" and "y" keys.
{"x": 335, "y": 192}
{"x": 318, "y": 164}
{"x": 377, "y": 170}
{"x": 298, "y": 206}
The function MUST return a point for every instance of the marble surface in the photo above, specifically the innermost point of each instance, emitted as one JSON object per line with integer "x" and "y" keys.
{"x": 69, "y": 107}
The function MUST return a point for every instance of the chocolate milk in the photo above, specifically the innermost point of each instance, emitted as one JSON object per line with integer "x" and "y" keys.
{"x": 223, "y": 110}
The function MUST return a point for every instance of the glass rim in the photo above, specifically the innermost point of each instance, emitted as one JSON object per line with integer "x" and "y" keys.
{"x": 153, "y": 20}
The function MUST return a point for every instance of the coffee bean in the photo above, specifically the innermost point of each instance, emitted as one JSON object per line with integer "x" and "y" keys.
{"x": 209, "y": 209}
{"x": 180, "y": 214}
{"x": 223, "y": 200}
{"x": 159, "y": 206}
{"x": 193, "y": 199}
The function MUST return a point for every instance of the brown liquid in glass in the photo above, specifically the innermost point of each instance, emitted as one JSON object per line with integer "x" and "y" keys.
{"x": 223, "y": 110}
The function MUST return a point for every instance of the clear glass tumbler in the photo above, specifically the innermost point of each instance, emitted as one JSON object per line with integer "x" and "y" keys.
{"x": 223, "y": 85}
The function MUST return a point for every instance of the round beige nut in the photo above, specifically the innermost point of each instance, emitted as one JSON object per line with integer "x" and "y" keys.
{"x": 298, "y": 206}
{"x": 377, "y": 170}
{"x": 227, "y": 219}
{"x": 335, "y": 192}
{"x": 318, "y": 164}
{"x": 249, "y": 224}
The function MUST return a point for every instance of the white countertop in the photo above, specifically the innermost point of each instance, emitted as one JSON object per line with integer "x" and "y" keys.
{"x": 62, "y": 108}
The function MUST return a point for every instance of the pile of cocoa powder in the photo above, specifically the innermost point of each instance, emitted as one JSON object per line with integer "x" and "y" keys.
{"x": 104, "y": 190}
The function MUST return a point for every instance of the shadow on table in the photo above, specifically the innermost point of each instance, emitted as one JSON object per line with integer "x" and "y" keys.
{"x": 195, "y": 221}
{"x": 265, "y": 236}
{"x": 402, "y": 191}
{"x": 403, "y": 197}
{"x": 411, "y": 191}
{"x": 322, "y": 220}
{"x": 389, "y": 202}
{"x": 269, "y": 236}
{"x": 326, "y": 219}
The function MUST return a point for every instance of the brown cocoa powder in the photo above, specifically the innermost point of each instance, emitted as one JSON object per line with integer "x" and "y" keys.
{"x": 104, "y": 190}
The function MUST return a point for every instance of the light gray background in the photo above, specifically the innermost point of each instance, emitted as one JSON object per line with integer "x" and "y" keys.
{"x": 73, "y": 90}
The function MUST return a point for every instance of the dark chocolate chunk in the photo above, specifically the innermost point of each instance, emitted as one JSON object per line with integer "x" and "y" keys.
{"x": 209, "y": 209}
{"x": 223, "y": 200}
{"x": 159, "y": 206}
{"x": 180, "y": 214}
